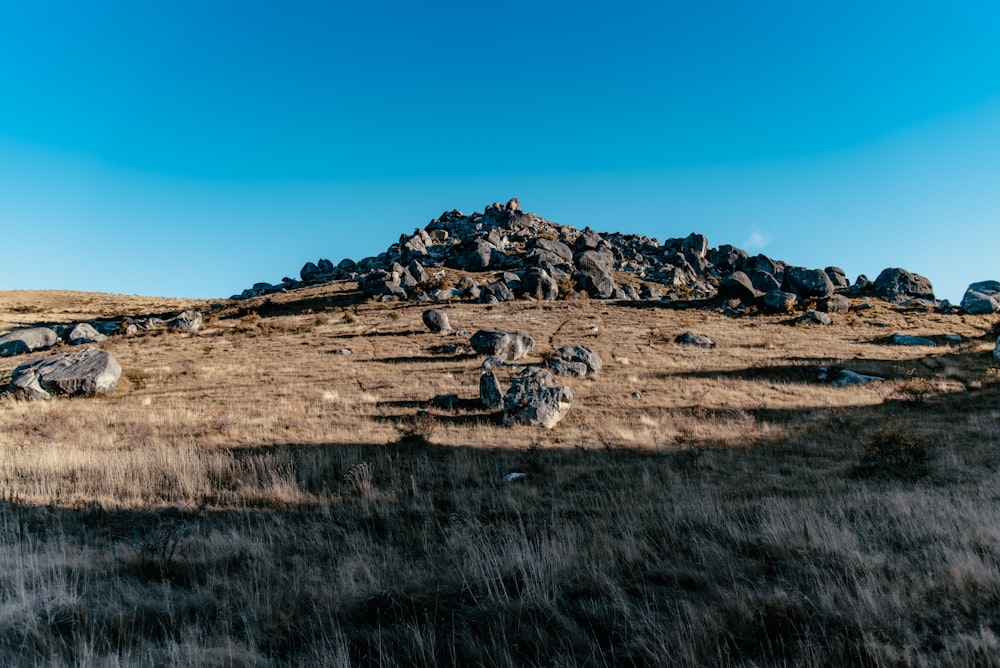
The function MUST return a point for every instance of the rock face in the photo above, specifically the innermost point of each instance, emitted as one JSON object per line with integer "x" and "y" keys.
{"x": 27, "y": 340}
{"x": 898, "y": 285}
{"x": 501, "y": 344}
{"x": 982, "y": 297}
{"x": 87, "y": 372}
{"x": 436, "y": 320}
{"x": 534, "y": 399}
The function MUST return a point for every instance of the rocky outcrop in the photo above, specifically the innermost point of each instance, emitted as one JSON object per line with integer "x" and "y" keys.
{"x": 186, "y": 321}
{"x": 898, "y": 285}
{"x": 27, "y": 340}
{"x": 501, "y": 344}
{"x": 86, "y": 372}
{"x": 536, "y": 400}
{"x": 981, "y": 298}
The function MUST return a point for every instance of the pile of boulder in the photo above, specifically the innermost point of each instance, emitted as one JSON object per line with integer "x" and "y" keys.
{"x": 86, "y": 372}
{"x": 504, "y": 253}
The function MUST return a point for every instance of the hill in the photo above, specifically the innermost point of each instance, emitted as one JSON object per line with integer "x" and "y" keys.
{"x": 281, "y": 488}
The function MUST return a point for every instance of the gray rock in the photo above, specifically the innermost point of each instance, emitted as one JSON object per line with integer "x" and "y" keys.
{"x": 694, "y": 339}
{"x": 814, "y": 318}
{"x": 561, "y": 367}
{"x": 588, "y": 240}
{"x": 764, "y": 282}
{"x": 838, "y": 277}
{"x": 534, "y": 399}
{"x": 898, "y": 285}
{"x": 981, "y": 298}
{"x": 490, "y": 392}
{"x": 808, "y": 283}
{"x": 27, "y": 340}
{"x": 558, "y": 248}
{"x": 477, "y": 255}
{"x": 835, "y": 304}
{"x": 737, "y": 286}
{"x": 505, "y": 346}
{"x": 695, "y": 245}
{"x": 908, "y": 340}
{"x": 186, "y": 321}
{"x": 996, "y": 350}
{"x": 496, "y": 292}
{"x": 86, "y": 372}
{"x": 539, "y": 284}
{"x": 583, "y": 354}
{"x": 846, "y": 377}
{"x": 84, "y": 333}
{"x": 436, "y": 320}
{"x": 779, "y": 301}
{"x": 595, "y": 273}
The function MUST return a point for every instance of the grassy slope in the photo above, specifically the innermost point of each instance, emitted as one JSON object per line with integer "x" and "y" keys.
{"x": 243, "y": 498}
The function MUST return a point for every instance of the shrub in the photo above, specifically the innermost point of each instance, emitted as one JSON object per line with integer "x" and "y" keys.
{"x": 418, "y": 429}
{"x": 892, "y": 449}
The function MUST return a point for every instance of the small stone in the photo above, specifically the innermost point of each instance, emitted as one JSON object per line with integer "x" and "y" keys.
{"x": 908, "y": 340}
{"x": 694, "y": 339}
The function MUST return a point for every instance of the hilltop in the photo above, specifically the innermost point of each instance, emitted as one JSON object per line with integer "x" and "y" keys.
{"x": 310, "y": 476}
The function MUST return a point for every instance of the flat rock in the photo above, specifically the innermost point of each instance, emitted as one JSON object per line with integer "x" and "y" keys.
{"x": 27, "y": 340}
{"x": 908, "y": 340}
{"x": 86, "y": 372}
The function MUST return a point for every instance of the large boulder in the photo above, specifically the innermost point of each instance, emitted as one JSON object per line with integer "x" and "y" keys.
{"x": 596, "y": 275}
{"x": 558, "y": 248}
{"x": 982, "y": 297}
{"x": 737, "y": 286}
{"x": 808, "y": 283}
{"x": 898, "y": 285}
{"x": 501, "y": 344}
{"x": 539, "y": 284}
{"x": 534, "y": 399}
{"x": 27, "y": 340}
{"x": 86, "y": 372}
{"x": 583, "y": 354}
{"x": 436, "y": 320}
{"x": 496, "y": 292}
{"x": 477, "y": 255}
{"x": 835, "y": 304}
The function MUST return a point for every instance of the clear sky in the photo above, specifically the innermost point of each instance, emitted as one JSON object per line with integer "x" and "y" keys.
{"x": 193, "y": 148}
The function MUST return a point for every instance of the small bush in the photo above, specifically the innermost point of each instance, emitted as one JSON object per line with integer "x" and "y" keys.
{"x": 893, "y": 449}
{"x": 439, "y": 281}
{"x": 418, "y": 429}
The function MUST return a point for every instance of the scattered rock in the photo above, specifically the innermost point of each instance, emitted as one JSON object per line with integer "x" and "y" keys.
{"x": 505, "y": 346}
{"x": 27, "y": 340}
{"x": 534, "y": 399}
{"x": 86, "y": 372}
{"x": 186, "y": 321}
{"x": 908, "y": 340}
{"x": 84, "y": 333}
{"x": 436, "y": 320}
{"x": 490, "y": 392}
{"x": 898, "y": 285}
{"x": 583, "y": 354}
{"x": 981, "y": 298}
{"x": 694, "y": 339}
{"x": 814, "y": 318}
{"x": 846, "y": 377}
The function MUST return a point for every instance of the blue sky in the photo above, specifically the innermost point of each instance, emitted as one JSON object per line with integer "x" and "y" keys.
{"x": 194, "y": 148}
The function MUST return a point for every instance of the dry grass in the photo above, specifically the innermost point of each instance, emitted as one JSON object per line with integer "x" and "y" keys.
{"x": 248, "y": 497}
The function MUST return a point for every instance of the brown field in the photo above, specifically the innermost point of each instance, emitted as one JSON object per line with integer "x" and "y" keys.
{"x": 247, "y": 497}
